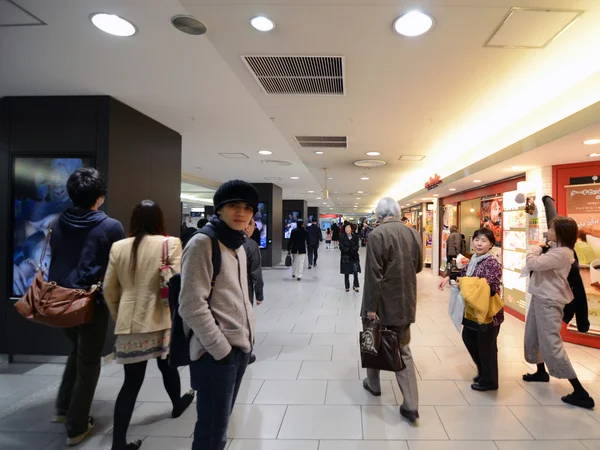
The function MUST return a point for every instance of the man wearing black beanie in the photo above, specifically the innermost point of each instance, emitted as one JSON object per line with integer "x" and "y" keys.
{"x": 223, "y": 332}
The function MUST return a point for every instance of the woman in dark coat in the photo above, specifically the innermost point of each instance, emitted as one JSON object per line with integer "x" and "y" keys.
{"x": 350, "y": 260}
{"x": 335, "y": 231}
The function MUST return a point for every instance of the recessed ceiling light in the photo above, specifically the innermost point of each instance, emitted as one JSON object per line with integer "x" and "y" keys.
{"x": 364, "y": 178}
{"x": 594, "y": 155}
{"x": 311, "y": 192}
{"x": 360, "y": 192}
{"x": 338, "y": 198}
{"x": 265, "y": 152}
{"x": 414, "y": 23}
{"x": 357, "y": 198}
{"x": 476, "y": 181}
{"x": 436, "y": 195}
{"x": 324, "y": 203}
{"x": 592, "y": 142}
{"x": 415, "y": 203}
{"x": 262, "y": 23}
{"x": 113, "y": 24}
{"x": 318, "y": 153}
{"x": 318, "y": 198}
{"x": 330, "y": 178}
{"x": 373, "y": 153}
{"x": 452, "y": 189}
{"x": 335, "y": 192}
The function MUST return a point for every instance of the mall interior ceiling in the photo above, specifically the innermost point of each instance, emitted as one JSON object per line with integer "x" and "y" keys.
{"x": 328, "y": 100}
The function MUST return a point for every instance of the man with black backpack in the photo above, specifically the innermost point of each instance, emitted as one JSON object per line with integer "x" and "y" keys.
{"x": 216, "y": 310}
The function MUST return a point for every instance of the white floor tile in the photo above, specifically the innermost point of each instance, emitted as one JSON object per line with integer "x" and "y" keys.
{"x": 322, "y": 422}
{"x": 248, "y": 390}
{"x": 25, "y": 441}
{"x": 163, "y": 443}
{"x": 296, "y": 392}
{"x": 267, "y": 352}
{"x": 279, "y": 444}
{"x": 346, "y": 353}
{"x": 255, "y": 421}
{"x": 314, "y": 328}
{"x": 557, "y": 422}
{"x": 436, "y": 393}
{"x": 334, "y": 339}
{"x": 451, "y": 445}
{"x": 306, "y": 353}
{"x": 154, "y": 419}
{"x": 287, "y": 339}
{"x": 329, "y": 370}
{"x": 363, "y": 445}
{"x": 481, "y": 423}
{"x": 540, "y": 445}
{"x": 385, "y": 422}
{"x": 273, "y": 370}
{"x": 508, "y": 393}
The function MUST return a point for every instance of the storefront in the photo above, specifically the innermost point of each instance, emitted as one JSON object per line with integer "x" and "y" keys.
{"x": 576, "y": 190}
{"x": 421, "y": 217}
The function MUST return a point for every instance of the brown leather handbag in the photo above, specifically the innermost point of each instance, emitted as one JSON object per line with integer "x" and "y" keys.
{"x": 53, "y": 305}
{"x": 380, "y": 347}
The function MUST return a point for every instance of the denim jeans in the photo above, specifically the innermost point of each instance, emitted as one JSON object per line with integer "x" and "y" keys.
{"x": 217, "y": 384}
{"x": 82, "y": 371}
{"x": 313, "y": 255}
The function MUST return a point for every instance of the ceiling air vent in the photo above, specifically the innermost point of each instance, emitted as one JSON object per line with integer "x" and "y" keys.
{"x": 298, "y": 75}
{"x": 234, "y": 155}
{"x": 275, "y": 162}
{"x": 322, "y": 141}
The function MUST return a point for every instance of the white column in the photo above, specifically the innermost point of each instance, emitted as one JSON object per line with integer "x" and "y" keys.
{"x": 435, "y": 260}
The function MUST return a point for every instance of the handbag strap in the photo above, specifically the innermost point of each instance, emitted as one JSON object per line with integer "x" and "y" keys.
{"x": 165, "y": 252}
{"x": 45, "y": 249}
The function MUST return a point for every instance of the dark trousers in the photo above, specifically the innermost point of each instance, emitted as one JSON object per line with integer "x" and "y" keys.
{"x": 82, "y": 371}
{"x": 483, "y": 347}
{"x": 134, "y": 378}
{"x": 313, "y": 255}
{"x": 355, "y": 273}
{"x": 217, "y": 384}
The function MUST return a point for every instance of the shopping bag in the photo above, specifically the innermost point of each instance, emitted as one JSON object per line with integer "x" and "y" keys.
{"x": 380, "y": 348}
{"x": 456, "y": 307}
{"x": 288, "y": 260}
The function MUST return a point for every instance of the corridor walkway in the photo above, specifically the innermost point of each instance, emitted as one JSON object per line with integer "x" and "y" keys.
{"x": 305, "y": 393}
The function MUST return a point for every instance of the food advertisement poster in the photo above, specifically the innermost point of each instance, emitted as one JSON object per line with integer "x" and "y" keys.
{"x": 514, "y": 251}
{"x": 491, "y": 217}
{"x": 583, "y": 205}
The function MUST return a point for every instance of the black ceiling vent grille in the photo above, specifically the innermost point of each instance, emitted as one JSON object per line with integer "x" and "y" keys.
{"x": 322, "y": 141}
{"x": 298, "y": 75}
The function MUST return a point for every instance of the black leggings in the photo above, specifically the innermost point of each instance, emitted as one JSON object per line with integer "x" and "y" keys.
{"x": 134, "y": 378}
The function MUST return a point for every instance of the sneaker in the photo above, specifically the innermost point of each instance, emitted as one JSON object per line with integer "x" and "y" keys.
{"x": 355, "y": 289}
{"x": 59, "y": 418}
{"x": 71, "y": 441}
{"x": 581, "y": 400}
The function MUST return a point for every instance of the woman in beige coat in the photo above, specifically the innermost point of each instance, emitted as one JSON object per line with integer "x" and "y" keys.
{"x": 143, "y": 321}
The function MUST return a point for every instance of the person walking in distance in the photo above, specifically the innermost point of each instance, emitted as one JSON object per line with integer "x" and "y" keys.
{"x": 80, "y": 245}
{"x": 220, "y": 319}
{"x": 453, "y": 244}
{"x": 328, "y": 238}
{"x": 335, "y": 230}
{"x": 255, "y": 278}
{"x": 315, "y": 237}
{"x": 297, "y": 247}
{"x": 143, "y": 321}
{"x": 394, "y": 258}
{"x": 349, "y": 258}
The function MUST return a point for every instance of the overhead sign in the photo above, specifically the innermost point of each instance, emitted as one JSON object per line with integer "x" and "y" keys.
{"x": 433, "y": 182}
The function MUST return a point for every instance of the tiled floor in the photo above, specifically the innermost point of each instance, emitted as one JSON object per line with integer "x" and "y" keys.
{"x": 305, "y": 393}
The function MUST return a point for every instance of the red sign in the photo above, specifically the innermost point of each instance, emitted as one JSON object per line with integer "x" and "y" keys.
{"x": 433, "y": 182}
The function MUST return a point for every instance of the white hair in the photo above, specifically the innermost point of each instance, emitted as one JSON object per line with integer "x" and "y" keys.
{"x": 387, "y": 207}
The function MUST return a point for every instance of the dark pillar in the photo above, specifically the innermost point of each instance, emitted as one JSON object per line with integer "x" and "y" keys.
{"x": 139, "y": 158}
{"x": 270, "y": 195}
{"x": 208, "y": 211}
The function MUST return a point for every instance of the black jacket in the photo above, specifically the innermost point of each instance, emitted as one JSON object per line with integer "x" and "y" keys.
{"x": 314, "y": 235}
{"x": 349, "y": 249}
{"x": 80, "y": 245}
{"x": 298, "y": 241}
{"x": 579, "y": 306}
{"x": 335, "y": 231}
{"x": 255, "y": 279}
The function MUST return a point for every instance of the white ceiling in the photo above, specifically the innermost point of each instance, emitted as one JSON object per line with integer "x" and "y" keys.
{"x": 441, "y": 95}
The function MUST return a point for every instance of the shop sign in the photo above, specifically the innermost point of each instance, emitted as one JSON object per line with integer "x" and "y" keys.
{"x": 433, "y": 182}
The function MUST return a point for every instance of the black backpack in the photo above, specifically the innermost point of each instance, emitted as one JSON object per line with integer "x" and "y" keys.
{"x": 179, "y": 350}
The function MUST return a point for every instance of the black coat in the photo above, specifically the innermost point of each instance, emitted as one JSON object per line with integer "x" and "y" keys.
{"x": 298, "y": 241}
{"x": 314, "y": 235}
{"x": 335, "y": 231}
{"x": 349, "y": 249}
{"x": 579, "y": 306}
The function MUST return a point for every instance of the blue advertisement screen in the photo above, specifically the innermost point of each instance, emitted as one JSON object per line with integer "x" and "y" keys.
{"x": 39, "y": 197}
{"x": 260, "y": 218}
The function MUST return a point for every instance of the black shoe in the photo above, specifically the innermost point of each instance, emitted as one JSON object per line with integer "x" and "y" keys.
{"x": 309, "y": 267}
{"x": 252, "y": 359}
{"x": 369, "y": 390}
{"x": 581, "y": 400}
{"x": 184, "y": 403}
{"x": 482, "y": 388}
{"x": 540, "y": 377}
{"x": 131, "y": 446}
{"x": 299, "y": 278}
{"x": 411, "y": 416}
{"x": 347, "y": 290}
{"x": 476, "y": 379}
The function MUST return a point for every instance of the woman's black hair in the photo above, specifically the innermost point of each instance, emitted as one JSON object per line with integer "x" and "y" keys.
{"x": 85, "y": 186}
{"x": 486, "y": 232}
{"x": 566, "y": 230}
{"x": 146, "y": 219}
